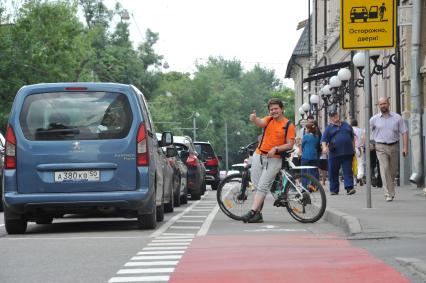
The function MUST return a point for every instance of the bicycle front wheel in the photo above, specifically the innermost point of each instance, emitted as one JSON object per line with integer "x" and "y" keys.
{"x": 235, "y": 195}
{"x": 307, "y": 203}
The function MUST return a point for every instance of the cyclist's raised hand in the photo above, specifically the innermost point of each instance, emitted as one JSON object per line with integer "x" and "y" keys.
{"x": 253, "y": 116}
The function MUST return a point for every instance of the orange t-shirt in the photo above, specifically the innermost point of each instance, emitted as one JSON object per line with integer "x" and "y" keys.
{"x": 274, "y": 134}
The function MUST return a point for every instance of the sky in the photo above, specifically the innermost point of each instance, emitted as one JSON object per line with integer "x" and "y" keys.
{"x": 251, "y": 31}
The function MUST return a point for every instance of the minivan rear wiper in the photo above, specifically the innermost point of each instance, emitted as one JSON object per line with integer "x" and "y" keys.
{"x": 58, "y": 131}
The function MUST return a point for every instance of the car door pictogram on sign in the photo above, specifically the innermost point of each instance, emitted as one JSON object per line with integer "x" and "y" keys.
{"x": 367, "y": 24}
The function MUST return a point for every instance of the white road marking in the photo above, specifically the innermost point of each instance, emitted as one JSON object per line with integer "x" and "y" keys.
{"x": 156, "y": 257}
{"x": 185, "y": 227}
{"x": 1, "y": 225}
{"x": 189, "y": 221}
{"x": 139, "y": 279}
{"x": 164, "y": 248}
{"x": 200, "y": 210}
{"x": 179, "y": 234}
{"x": 194, "y": 216}
{"x": 171, "y": 240}
{"x": 276, "y": 230}
{"x": 175, "y": 237}
{"x": 161, "y": 252}
{"x": 207, "y": 223}
{"x": 168, "y": 244}
{"x": 145, "y": 270}
{"x": 172, "y": 220}
{"x": 151, "y": 263}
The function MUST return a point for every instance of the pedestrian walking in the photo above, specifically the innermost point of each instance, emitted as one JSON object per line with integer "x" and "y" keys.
{"x": 386, "y": 128}
{"x": 359, "y": 135}
{"x": 310, "y": 154}
{"x": 278, "y": 136}
{"x": 338, "y": 142}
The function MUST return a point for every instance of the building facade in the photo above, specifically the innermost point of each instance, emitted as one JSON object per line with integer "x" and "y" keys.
{"x": 318, "y": 56}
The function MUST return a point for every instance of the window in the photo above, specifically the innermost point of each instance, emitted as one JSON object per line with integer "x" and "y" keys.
{"x": 76, "y": 116}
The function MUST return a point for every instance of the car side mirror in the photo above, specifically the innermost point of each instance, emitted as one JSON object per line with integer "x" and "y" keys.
{"x": 166, "y": 139}
{"x": 171, "y": 152}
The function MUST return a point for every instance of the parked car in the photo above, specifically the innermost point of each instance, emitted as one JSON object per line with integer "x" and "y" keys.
{"x": 180, "y": 175}
{"x": 167, "y": 169}
{"x": 211, "y": 162}
{"x": 81, "y": 147}
{"x": 196, "y": 178}
{"x": 169, "y": 180}
{"x": 2, "y": 144}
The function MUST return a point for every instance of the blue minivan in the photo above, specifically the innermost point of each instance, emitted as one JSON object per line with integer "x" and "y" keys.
{"x": 76, "y": 148}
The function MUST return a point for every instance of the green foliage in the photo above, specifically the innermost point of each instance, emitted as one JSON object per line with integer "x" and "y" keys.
{"x": 47, "y": 42}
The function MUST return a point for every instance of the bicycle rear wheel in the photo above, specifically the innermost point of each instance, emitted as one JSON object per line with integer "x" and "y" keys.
{"x": 235, "y": 195}
{"x": 309, "y": 206}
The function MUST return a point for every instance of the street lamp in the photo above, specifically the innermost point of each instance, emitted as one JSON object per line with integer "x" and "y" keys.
{"x": 226, "y": 144}
{"x": 194, "y": 116}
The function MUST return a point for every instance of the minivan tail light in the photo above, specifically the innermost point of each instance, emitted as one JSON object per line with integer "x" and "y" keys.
{"x": 192, "y": 161}
{"x": 212, "y": 162}
{"x": 142, "y": 146}
{"x": 10, "y": 149}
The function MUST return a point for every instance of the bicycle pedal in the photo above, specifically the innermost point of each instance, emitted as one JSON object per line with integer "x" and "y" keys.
{"x": 280, "y": 203}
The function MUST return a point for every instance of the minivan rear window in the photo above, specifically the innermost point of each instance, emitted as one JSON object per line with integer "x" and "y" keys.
{"x": 76, "y": 116}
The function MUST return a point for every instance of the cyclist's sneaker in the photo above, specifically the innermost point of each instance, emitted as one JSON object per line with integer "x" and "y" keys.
{"x": 252, "y": 217}
{"x": 257, "y": 218}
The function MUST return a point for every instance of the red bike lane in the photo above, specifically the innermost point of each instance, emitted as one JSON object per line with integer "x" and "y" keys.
{"x": 280, "y": 258}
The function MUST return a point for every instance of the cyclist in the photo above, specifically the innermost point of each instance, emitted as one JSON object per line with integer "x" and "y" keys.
{"x": 278, "y": 136}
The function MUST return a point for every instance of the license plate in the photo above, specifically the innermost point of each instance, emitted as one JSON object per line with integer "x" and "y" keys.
{"x": 77, "y": 176}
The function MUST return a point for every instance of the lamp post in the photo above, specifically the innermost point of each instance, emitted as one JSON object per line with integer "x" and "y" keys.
{"x": 226, "y": 145}
{"x": 194, "y": 116}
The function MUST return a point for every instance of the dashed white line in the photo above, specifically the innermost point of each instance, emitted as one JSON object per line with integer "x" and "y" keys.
{"x": 151, "y": 263}
{"x": 139, "y": 279}
{"x": 145, "y": 270}
{"x": 164, "y": 248}
{"x": 171, "y": 240}
{"x": 161, "y": 252}
{"x": 207, "y": 223}
{"x": 190, "y": 221}
{"x": 156, "y": 257}
{"x": 185, "y": 227}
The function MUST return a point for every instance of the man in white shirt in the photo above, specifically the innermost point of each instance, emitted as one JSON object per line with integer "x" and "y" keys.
{"x": 386, "y": 128}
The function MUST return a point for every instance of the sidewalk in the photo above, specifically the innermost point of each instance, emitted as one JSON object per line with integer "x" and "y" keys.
{"x": 405, "y": 216}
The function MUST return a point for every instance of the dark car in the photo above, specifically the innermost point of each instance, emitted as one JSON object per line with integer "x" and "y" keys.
{"x": 74, "y": 148}
{"x": 211, "y": 162}
{"x": 196, "y": 179}
{"x": 180, "y": 173}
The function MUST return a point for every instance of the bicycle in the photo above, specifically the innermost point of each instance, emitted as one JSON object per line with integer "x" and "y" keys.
{"x": 300, "y": 193}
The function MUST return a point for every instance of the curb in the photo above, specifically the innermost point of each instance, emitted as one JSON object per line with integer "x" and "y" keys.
{"x": 349, "y": 223}
{"x": 414, "y": 264}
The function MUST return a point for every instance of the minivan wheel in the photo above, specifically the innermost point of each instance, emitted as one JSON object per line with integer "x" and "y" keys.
{"x": 15, "y": 226}
{"x": 147, "y": 221}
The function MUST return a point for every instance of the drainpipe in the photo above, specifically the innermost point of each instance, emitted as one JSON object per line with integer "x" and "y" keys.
{"x": 301, "y": 81}
{"x": 416, "y": 99}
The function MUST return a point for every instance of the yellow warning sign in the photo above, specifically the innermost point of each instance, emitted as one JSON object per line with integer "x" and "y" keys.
{"x": 367, "y": 24}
